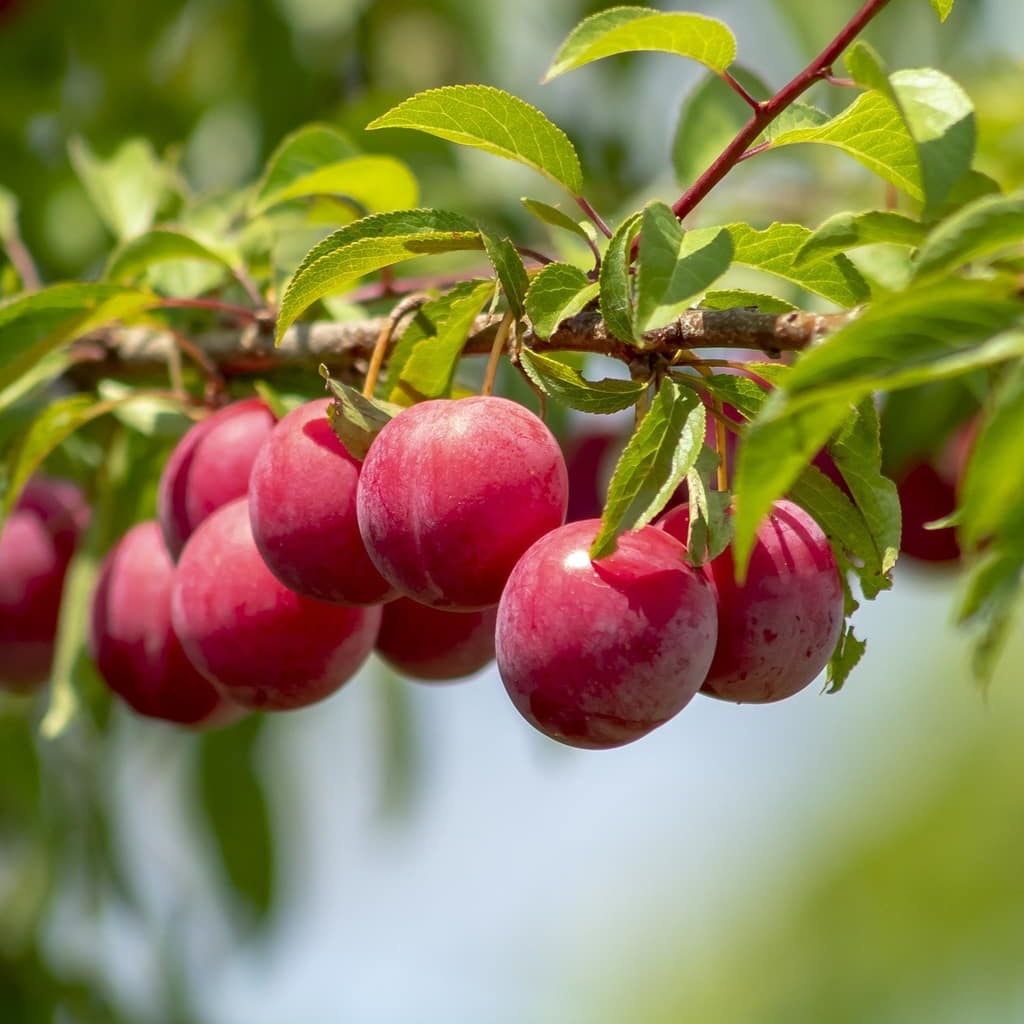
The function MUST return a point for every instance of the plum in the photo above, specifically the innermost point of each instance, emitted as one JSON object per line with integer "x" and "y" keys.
{"x": 264, "y": 646}
{"x": 596, "y": 654}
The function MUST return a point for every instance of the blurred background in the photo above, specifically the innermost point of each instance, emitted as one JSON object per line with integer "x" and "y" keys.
{"x": 405, "y": 854}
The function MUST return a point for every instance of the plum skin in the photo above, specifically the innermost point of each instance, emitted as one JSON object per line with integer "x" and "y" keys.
{"x": 262, "y": 645}
{"x": 131, "y": 640}
{"x": 302, "y": 506}
{"x": 209, "y": 466}
{"x": 37, "y": 543}
{"x": 435, "y": 645}
{"x": 777, "y": 629}
{"x": 597, "y": 654}
{"x": 452, "y": 492}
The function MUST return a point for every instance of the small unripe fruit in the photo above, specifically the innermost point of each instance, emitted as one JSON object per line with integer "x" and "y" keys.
{"x": 777, "y": 629}
{"x": 131, "y": 640}
{"x": 433, "y": 644}
{"x": 597, "y": 654}
{"x": 302, "y": 505}
{"x": 37, "y": 542}
{"x": 264, "y": 646}
{"x": 453, "y": 492}
{"x": 209, "y": 467}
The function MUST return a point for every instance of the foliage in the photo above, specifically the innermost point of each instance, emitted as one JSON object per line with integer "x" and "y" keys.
{"x": 923, "y": 292}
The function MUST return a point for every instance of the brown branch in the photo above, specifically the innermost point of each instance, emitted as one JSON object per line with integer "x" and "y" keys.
{"x": 346, "y": 347}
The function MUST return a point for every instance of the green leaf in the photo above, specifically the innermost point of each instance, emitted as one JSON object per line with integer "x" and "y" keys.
{"x": 936, "y": 329}
{"x": 733, "y": 298}
{"x": 8, "y": 215}
{"x": 617, "y": 284}
{"x": 844, "y": 660}
{"x": 777, "y": 447}
{"x": 35, "y": 324}
{"x": 857, "y": 453}
{"x": 712, "y": 114}
{"x": 675, "y": 267}
{"x": 377, "y": 241}
{"x": 992, "y": 490}
{"x": 300, "y": 154}
{"x": 990, "y": 601}
{"x": 373, "y": 184}
{"x": 557, "y": 291}
{"x": 653, "y": 464}
{"x": 710, "y": 525}
{"x": 628, "y": 29}
{"x": 492, "y": 120}
{"x": 355, "y": 419}
{"x": 430, "y": 368}
{"x": 942, "y": 8}
{"x": 555, "y": 217}
{"x": 149, "y": 415}
{"x": 774, "y": 249}
{"x": 845, "y": 231}
{"x": 567, "y": 385}
{"x": 135, "y": 256}
{"x": 126, "y": 189}
{"x": 981, "y": 228}
{"x": 231, "y": 796}
{"x": 508, "y": 265}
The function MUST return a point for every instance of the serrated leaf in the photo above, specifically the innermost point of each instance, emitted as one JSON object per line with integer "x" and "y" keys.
{"x": 628, "y": 29}
{"x": 557, "y": 291}
{"x": 773, "y": 250}
{"x": 733, "y": 298}
{"x": 675, "y": 267}
{"x": 844, "y": 660}
{"x": 356, "y": 419}
{"x": 368, "y": 244}
{"x": 942, "y": 8}
{"x": 710, "y": 525}
{"x": 234, "y": 805}
{"x": 616, "y": 294}
{"x": 567, "y": 385}
{"x": 653, "y": 464}
{"x": 429, "y": 370}
{"x": 845, "y": 231}
{"x": 373, "y": 184}
{"x": 135, "y": 256}
{"x": 508, "y": 265}
{"x": 301, "y": 153}
{"x": 992, "y": 490}
{"x": 711, "y": 116}
{"x": 857, "y": 453}
{"x": 126, "y": 189}
{"x": 981, "y": 228}
{"x": 493, "y": 120}
{"x": 554, "y": 216}
{"x": 777, "y": 447}
{"x": 936, "y": 329}
{"x": 796, "y": 117}
{"x": 35, "y": 324}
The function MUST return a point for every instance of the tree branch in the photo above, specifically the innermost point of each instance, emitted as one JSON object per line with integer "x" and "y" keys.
{"x": 346, "y": 347}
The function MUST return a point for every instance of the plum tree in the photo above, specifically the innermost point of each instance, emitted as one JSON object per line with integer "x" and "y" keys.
{"x": 264, "y": 646}
{"x": 210, "y": 466}
{"x": 131, "y": 640}
{"x": 302, "y": 505}
{"x": 778, "y": 628}
{"x": 453, "y": 492}
{"x": 433, "y": 644}
{"x": 598, "y": 653}
{"x": 36, "y": 544}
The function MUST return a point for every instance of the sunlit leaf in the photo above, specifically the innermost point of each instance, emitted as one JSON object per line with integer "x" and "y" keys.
{"x": 733, "y": 298}
{"x": 134, "y": 257}
{"x": 774, "y": 250}
{"x": 567, "y": 385}
{"x": 554, "y": 216}
{"x": 616, "y": 282}
{"x": 981, "y": 228}
{"x": 508, "y": 265}
{"x": 845, "y": 231}
{"x": 653, "y": 464}
{"x": 557, "y": 291}
{"x": 490, "y": 119}
{"x": 626, "y": 29}
{"x": 369, "y": 244}
{"x": 942, "y": 8}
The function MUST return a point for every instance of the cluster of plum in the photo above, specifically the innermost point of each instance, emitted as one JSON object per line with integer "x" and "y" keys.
{"x": 277, "y": 562}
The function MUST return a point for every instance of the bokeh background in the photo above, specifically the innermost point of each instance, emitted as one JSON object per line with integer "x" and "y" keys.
{"x": 848, "y": 858}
